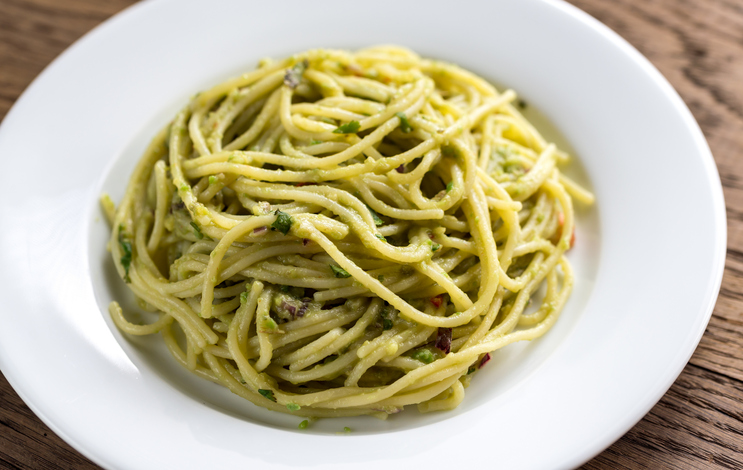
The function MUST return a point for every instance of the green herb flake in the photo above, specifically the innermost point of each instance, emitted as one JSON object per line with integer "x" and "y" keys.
{"x": 292, "y": 407}
{"x": 449, "y": 186}
{"x": 380, "y": 236}
{"x": 404, "y": 123}
{"x": 346, "y": 429}
{"x": 268, "y": 325}
{"x": 126, "y": 249}
{"x": 282, "y": 223}
{"x": 377, "y": 220}
{"x": 435, "y": 247}
{"x": 244, "y": 297}
{"x": 381, "y": 278}
{"x": 471, "y": 370}
{"x": 387, "y": 324}
{"x": 303, "y": 424}
{"x": 315, "y": 142}
{"x": 293, "y": 76}
{"x": 213, "y": 179}
{"x": 197, "y": 231}
{"x": 267, "y": 394}
{"x": 348, "y": 128}
{"x": 339, "y": 272}
{"x": 424, "y": 355}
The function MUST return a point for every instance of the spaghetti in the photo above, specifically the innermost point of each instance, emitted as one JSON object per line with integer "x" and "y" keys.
{"x": 338, "y": 233}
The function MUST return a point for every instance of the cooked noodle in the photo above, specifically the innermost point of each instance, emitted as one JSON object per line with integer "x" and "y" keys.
{"x": 339, "y": 233}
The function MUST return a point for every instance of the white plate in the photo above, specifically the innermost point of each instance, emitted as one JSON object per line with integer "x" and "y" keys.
{"x": 649, "y": 254}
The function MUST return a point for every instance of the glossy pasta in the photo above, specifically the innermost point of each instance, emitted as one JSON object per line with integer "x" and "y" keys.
{"x": 338, "y": 233}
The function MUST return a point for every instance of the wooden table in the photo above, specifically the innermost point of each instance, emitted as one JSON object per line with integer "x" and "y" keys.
{"x": 696, "y": 44}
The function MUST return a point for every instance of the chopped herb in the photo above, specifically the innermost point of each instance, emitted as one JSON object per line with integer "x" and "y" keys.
{"x": 377, "y": 220}
{"x": 282, "y": 223}
{"x": 346, "y": 429}
{"x": 386, "y": 320}
{"x": 126, "y": 249}
{"x": 303, "y": 424}
{"x": 471, "y": 370}
{"x": 339, "y": 272}
{"x": 404, "y": 123}
{"x": 293, "y": 76}
{"x": 381, "y": 278}
{"x": 380, "y": 236}
{"x": 315, "y": 142}
{"x": 197, "y": 231}
{"x": 424, "y": 355}
{"x": 449, "y": 186}
{"x": 213, "y": 179}
{"x": 348, "y": 128}
{"x": 435, "y": 247}
{"x": 244, "y": 297}
{"x": 268, "y": 325}
{"x": 267, "y": 393}
{"x": 292, "y": 407}
{"x": 184, "y": 187}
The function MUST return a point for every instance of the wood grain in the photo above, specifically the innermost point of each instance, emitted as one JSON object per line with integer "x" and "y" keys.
{"x": 697, "y": 45}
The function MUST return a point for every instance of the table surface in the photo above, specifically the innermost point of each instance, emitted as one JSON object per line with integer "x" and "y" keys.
{"x": 697, "y": 45}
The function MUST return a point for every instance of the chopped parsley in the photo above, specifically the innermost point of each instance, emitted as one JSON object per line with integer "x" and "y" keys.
{"x": 267, "y": 393}
{"x": 449, "y": 186}
{"x": 293, "y": 76}
{"x": 380, "y": 236}
{"x": 381, "y": 278}
{"x": 386, "y": 320}
{"x": 346, "y": 429}
{"x": 377, "y": 220}
{"x": 126, "y": 249}
{"x": 435, "y": 247}
{"x": 197, "y": 231}
{"x": 348, "y": 128}
{"x": 244, "y": 297}
{"x": 292, "y": 407}
{"x": 303, "y": 424}
{"x": 404, "y": 123}
{"x": 282, "y": 223}
{"x": 315, "y": 142}
{"x": 423, "y": 355}
{"x": 213, "y": 179}
{"x": 339, "y": 272}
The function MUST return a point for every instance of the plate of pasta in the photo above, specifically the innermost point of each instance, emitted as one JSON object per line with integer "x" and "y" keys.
{"x": 440, "y": 248}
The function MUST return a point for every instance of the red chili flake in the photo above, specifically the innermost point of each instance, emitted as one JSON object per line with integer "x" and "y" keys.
{"x": 260, "y": 230}
{"x": 305, "y": 303}
{"x": 560, "y": 218}
{"x": 572, "y": 238}
{"x": 484, "y": 360}
{"x": 401, "y": 168}
{"x": 437, "y": 301}
{"x": 305, "y": 241}
{"x": 302, "y": 183}
{"x": 443, "y": 340}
